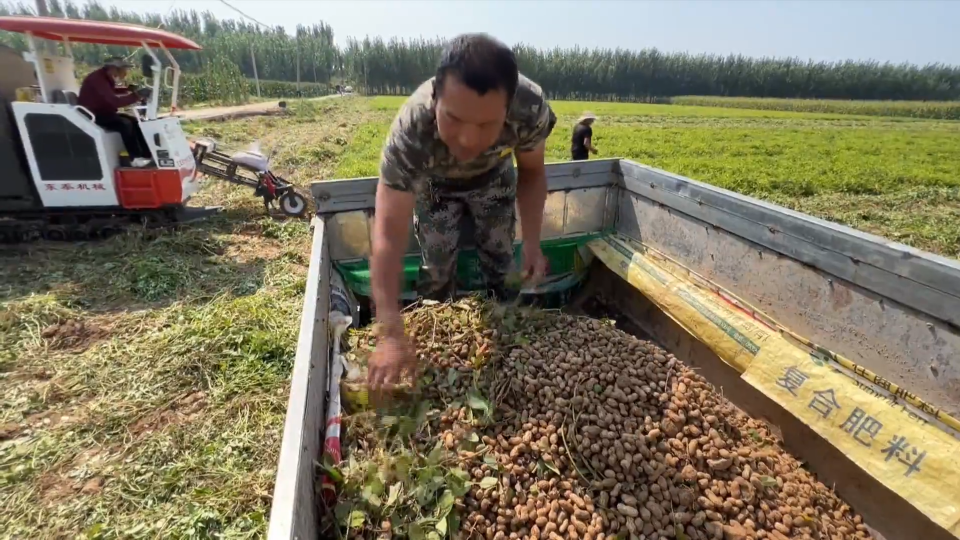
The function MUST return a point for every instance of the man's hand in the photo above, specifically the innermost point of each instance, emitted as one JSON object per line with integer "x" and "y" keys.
{"x": 392, "y": 357}
{"x": 535, "y": 265}
{"x": 593, "y": 150}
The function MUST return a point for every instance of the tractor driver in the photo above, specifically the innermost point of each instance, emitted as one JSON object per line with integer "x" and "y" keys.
{"x": 448, "y": 154}
{"x": 100, "y": 95}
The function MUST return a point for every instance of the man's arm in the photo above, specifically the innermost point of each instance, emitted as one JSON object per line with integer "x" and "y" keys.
{"x": 394, "y": 213}
{"x": 531, "y": 192}
{"x": 588, "y": 140}
{"x": 108, "y": 94}
{"x": 531, "y": 172}
{"x": 402, "y": 165}
{"x": 588, "y": 144}
{"x": 123, "y": 101}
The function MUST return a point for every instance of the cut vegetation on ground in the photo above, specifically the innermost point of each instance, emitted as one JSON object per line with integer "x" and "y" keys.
{"x": 144, "y": 379}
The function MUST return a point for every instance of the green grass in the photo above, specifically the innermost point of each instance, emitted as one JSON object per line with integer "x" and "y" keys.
{"x": 692, "y": 112}
{"x": 364, "y": 151}
{"x": 940, "y": 110}
{"x": 143, "y": 379}
{"x": 798, "y": 161}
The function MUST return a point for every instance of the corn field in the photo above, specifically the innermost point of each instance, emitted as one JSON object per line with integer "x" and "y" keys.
{"x": 396, "y": 67}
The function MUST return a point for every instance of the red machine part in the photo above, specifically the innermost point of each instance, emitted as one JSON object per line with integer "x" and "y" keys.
{"x": 86, "y": 31}
{"x": 148, "y": 188}
{"x": 271, "y": 186}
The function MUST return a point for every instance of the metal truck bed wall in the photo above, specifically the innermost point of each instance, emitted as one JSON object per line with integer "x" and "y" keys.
{"x": 888, "y": 307}
{"x": 891, "y": 309}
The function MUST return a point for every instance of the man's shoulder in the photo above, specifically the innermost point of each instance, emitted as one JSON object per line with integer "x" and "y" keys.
{"x": 419, "y": 105}
{"x": 530, "y": 115}
{"x": 416, "y": 116}
{"x": 95, "y": 74}
{"x": 529, "y": 102}
{"x": 528, "y": 89}
{"x": 409, "y": 147}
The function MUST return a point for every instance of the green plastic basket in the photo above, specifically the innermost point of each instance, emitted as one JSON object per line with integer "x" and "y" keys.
{"x": 567, "y": 267}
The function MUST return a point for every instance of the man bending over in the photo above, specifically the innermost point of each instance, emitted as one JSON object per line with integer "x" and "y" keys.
{"x": 449, "y": 154}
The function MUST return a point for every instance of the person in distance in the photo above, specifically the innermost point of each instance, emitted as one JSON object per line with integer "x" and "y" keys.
{"x": 581, "y": 143}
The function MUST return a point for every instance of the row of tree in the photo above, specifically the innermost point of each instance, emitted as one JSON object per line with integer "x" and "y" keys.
{"x": 377, "y": 66}
{"x": 276, "y": 52}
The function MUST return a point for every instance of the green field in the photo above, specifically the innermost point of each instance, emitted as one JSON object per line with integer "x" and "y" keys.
{"x": 144, "y": 379}
{"x": 897, "y": 177}
{"x": 936, "y": 110}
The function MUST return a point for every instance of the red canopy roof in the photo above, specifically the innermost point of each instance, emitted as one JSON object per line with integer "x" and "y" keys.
{"x": 86, "y": 31}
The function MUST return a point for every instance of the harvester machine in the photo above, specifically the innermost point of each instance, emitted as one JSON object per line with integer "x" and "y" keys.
{"x": 68, "y": 178}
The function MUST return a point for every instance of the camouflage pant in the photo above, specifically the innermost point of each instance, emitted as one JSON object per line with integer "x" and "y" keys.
{"x": 440, "y": 211}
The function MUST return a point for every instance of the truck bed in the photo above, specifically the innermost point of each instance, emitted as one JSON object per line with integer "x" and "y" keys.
{"x": 732, "y": 285}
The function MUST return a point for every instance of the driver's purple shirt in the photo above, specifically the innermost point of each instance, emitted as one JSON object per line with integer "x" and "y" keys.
{"x": 99, "y": 95}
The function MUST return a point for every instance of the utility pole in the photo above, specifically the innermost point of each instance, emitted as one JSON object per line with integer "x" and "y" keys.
{"x": 298, "y": 66}
{"x": 253, "y": 59}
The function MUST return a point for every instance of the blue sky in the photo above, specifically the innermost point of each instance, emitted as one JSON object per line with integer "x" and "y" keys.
{"x": 898, "y": 31}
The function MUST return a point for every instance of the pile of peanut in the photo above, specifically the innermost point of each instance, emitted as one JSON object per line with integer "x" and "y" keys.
{"x": 596, "y": 434}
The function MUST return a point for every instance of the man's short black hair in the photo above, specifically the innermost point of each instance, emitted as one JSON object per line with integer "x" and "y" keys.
{"x": 481, "y": 62}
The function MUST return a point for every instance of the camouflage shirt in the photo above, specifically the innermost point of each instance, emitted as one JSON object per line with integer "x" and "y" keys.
{"x": 413, "y": 152}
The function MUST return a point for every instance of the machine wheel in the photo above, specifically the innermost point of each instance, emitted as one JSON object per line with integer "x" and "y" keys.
{"x": 56, "y": 234}
{"x": 79, "y": 234}
{"x": 293, "y": 204}
{"x": 108, "y": 231}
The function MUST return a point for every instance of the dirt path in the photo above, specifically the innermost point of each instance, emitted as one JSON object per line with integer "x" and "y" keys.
{"x": 238, "y": 111}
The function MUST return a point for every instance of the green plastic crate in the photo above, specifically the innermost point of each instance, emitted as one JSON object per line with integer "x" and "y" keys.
{"x": 567, "y": 267}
